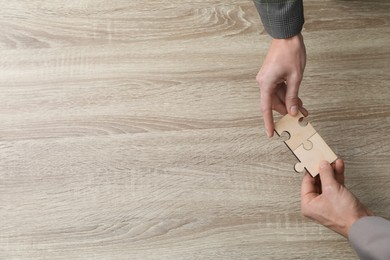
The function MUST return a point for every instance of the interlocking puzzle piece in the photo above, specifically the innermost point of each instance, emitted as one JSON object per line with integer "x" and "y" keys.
{"x": 298, "y": 134}
{"x": 310, "y": 159}
{"x": 306, "y": 144}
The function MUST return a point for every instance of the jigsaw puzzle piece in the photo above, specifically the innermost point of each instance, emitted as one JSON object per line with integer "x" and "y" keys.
{"x": 298, "y": 133}
{"x": 310, "y": 159}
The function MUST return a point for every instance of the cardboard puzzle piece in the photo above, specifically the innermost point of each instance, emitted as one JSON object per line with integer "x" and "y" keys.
{"x": 298, "y": 133}
{"x": 310, "y": 159}
{"x": 306, "y": 144}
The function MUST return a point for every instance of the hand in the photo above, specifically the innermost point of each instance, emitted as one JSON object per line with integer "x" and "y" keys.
{"x": 279, "y": 79}
{"x": 326, "y": 200}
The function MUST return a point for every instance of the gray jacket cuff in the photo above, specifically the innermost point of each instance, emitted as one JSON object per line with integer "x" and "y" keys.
{"x": 281, "y": 18}
{"x": 370, "y": 237}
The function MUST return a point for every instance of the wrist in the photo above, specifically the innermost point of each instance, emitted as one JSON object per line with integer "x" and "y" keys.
{"x": 363, "y": 212}
{"x": 293, "y": 44}
{"x": 296, "y": 38}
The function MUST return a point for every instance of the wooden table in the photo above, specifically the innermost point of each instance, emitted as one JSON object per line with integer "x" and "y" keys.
{"x": 132, "y": 129}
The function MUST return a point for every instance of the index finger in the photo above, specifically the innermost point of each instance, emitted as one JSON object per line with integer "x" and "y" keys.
{"x": 266, "y": 109}
{"x": 308, "y": 188}
{"x": 327, "y": 175}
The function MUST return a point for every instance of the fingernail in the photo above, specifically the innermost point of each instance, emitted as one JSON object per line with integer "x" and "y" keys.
{"x": 294, "y": 110}
{"x": 324, "y": 164}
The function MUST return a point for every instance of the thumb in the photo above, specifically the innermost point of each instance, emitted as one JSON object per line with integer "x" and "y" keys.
{"x": 327, "y": 175}
{"x": 292, "y": 96}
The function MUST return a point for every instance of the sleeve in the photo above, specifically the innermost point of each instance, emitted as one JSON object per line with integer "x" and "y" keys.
{"x": 370, "y": 237}
{"x": 281, "y": 18}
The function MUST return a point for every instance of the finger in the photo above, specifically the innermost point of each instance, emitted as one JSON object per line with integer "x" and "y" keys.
{"x": 327, "y": 175}
{"x": 278, "y": 104}
{"x": 279, "y": 107}
{"x": 278, "y": 99}
{"x": 318, "y": 184}
{"x": 292, "y": 96}
{"x": 339, "y": 171}
{"x": 281, "y": 91}
{"x": 266, "y": 109}
{"x": 301, "y": 108}
{"x": 308, "y": 188}
{"x": 304, "y": 111}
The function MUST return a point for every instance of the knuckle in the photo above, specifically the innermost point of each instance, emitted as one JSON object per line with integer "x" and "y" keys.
{"x": 260, "y": 79}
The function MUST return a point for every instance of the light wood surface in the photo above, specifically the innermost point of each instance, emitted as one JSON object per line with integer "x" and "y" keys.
{"x": 131, "y": 129}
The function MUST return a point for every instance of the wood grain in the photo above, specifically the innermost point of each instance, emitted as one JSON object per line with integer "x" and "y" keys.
{"x": 132, "y": 130}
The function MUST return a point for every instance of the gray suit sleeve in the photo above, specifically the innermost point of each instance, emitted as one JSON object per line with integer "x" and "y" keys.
{"x": 370, "y": 237}
{"x": 281, "y": 18}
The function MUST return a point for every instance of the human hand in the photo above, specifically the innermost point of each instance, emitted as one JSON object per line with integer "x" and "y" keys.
{"x": 326, "y": 200}
{"x": 279, "y": 79}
